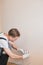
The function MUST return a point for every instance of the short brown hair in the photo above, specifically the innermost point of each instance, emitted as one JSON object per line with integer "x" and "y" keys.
{"x": 13, "y": 32}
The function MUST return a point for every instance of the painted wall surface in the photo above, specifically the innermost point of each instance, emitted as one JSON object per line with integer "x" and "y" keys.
{"x": 1, "y": 15}
{"x": 27, "y": 16}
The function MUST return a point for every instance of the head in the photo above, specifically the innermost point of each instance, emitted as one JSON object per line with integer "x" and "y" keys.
{"x": 13, "y": 34}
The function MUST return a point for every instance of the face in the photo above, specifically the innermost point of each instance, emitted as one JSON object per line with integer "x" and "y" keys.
{"x": 13, "y": 38}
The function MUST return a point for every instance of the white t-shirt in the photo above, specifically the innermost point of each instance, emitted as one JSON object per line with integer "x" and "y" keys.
{"x": 3, "y": 43}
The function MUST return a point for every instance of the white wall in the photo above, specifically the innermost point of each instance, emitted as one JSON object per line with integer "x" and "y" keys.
{"x": 27, "y": 16}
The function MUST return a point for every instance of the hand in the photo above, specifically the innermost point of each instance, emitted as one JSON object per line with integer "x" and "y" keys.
{"x": 20, "y": 50}
{"x": 23, "y": 51}
{"x": 25, "y": 56}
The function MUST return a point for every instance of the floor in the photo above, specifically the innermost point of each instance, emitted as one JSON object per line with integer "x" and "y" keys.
{"x": 10, "y": 64}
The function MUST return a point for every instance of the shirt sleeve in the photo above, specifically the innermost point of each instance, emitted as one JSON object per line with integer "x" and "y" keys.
{"x": 3, "y": 44}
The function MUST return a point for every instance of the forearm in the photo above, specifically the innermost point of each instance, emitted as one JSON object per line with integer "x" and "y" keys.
{"x": 14, "y": 56}
{"x": 13, "y": 45}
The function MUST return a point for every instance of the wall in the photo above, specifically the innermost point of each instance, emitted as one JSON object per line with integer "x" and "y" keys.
{"x": 27, "y": 16}
{"x": 0, "y": 15}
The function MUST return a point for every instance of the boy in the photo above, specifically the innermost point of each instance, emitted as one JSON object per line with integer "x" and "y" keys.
{"x": 6, "y": 42}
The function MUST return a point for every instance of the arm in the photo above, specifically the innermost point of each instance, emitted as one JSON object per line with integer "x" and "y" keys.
{"x": 12, "y": 55}
{"x": 18, "y": 49}
{"x": 13, "y": 45}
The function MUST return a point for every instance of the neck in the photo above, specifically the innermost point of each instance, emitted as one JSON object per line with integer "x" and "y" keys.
{"x": 6, "y": 35}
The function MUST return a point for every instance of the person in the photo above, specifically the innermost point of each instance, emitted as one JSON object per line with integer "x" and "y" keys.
{"x": 6, "y": 42}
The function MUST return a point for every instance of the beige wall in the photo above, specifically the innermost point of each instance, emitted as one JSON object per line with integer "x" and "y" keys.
{"x": 27, "y": 16}
{"x": 0, "y": 15}
{"x": 0, "y": 23}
